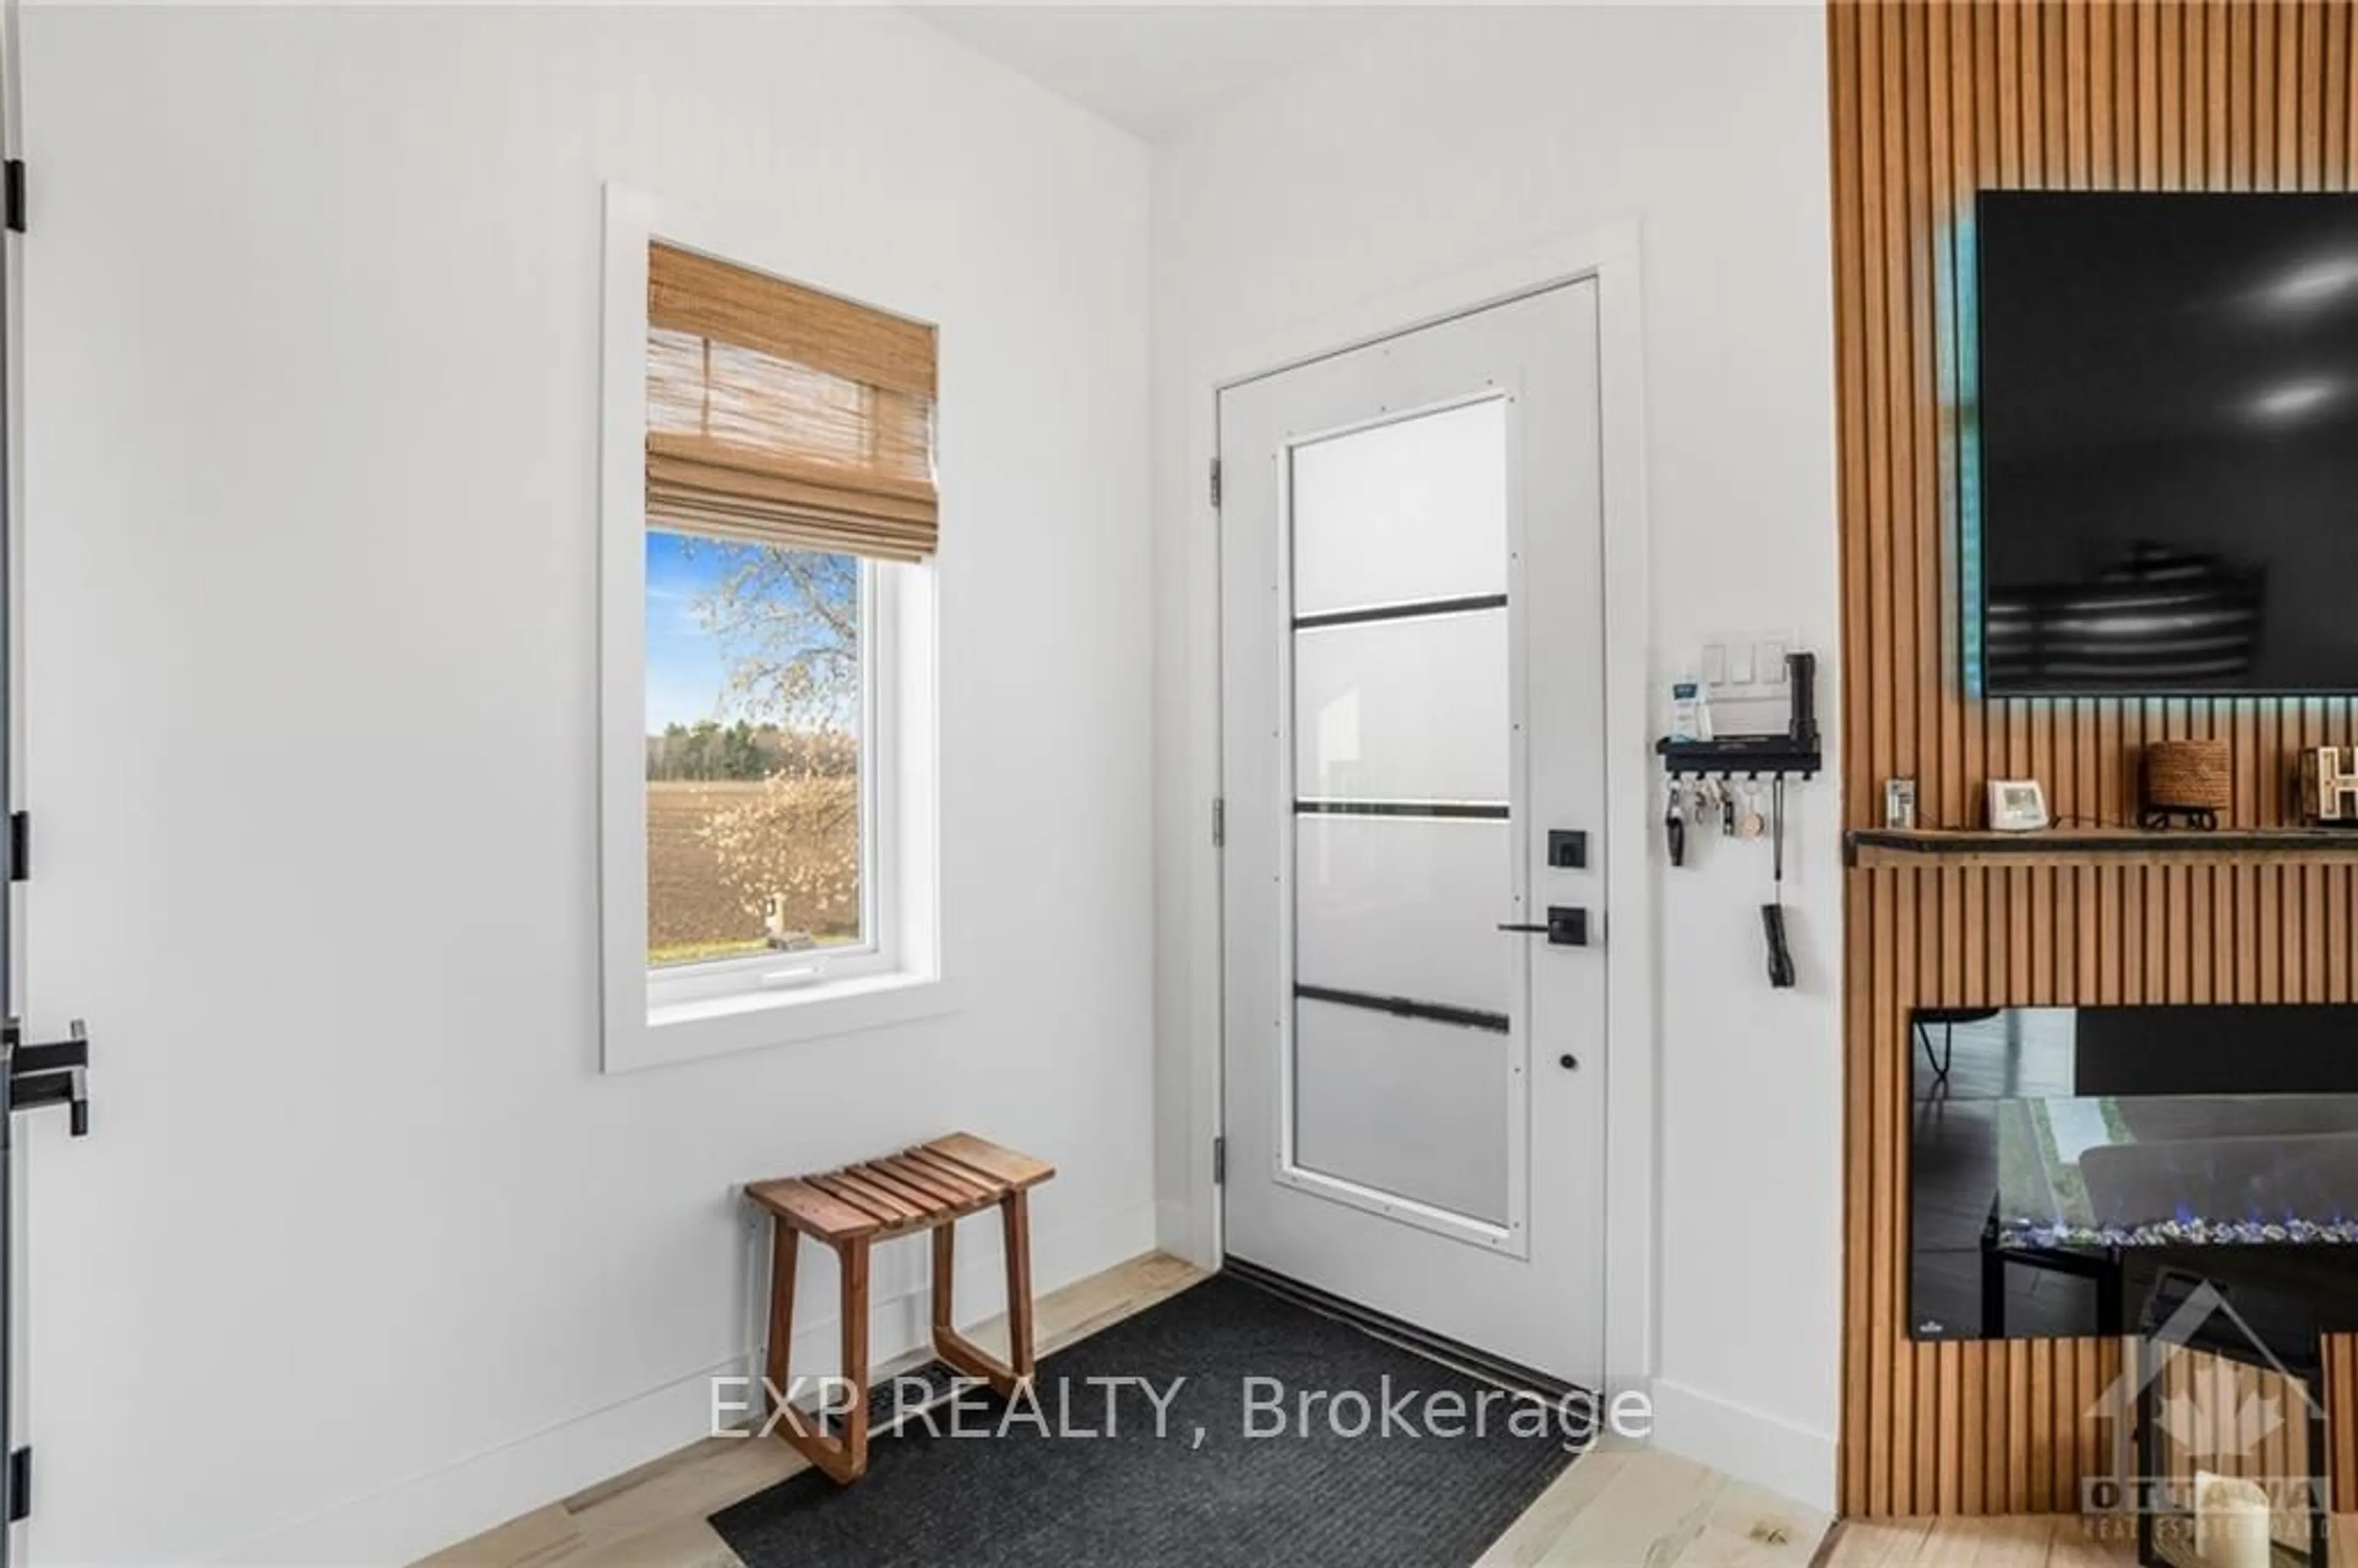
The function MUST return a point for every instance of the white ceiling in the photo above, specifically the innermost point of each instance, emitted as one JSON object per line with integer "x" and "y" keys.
{"x": 1152, "y": 68}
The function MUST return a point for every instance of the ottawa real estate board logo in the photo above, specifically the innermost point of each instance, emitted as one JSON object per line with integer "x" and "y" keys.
{"x": 2227, "y": 1465}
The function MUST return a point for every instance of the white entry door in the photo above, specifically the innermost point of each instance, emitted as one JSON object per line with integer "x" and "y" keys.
{"x": 1412, "y": 681}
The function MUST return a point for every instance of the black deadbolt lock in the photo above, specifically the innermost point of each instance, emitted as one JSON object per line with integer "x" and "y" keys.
{"x": 1567, "y": 850}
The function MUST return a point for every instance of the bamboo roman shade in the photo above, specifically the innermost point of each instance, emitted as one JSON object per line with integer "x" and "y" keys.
{"x": 779, "y": 416}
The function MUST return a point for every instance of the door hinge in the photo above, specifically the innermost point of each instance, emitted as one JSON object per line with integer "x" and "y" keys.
{"x": 20, "y": 845}
{"x": 1220, "y": 1161}
{"x": 1219, "y": 823}
{"x": 12, "y": 193}
{"x": 1216, "y": 484}
{"x": 20, "y": 1485}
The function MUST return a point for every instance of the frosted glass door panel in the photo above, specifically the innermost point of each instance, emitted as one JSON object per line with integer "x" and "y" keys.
{"x": 1404, "y": 513}
{"x": 1403, "y": 1106}
{"x": 1405, "y": 907}
{"x": 1406, "y": 710}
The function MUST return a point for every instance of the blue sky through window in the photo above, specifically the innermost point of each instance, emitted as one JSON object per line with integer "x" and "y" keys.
{"x": 687, "y": 669}
{"x": 739, "y": 632}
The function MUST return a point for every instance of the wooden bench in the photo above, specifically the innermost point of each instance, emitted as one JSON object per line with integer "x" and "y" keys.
{"x": 930, "y": 1187}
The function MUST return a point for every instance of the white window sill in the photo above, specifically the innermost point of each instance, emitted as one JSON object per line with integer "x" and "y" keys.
{"x": 750, "y": 1021}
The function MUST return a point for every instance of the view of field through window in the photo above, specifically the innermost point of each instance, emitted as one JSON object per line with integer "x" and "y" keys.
{"x": 753, "y": 748}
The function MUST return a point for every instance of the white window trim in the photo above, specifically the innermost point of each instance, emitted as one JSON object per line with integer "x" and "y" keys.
{"x": 712, "y": 1010}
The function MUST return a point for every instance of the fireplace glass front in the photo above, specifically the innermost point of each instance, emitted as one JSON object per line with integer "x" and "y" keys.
{"x": 2050, "y": 1146}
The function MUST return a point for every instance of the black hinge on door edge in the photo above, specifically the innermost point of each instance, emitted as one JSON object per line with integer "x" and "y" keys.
{"x": 20, "y": 845}
{"x": 20, "y": 1485}
{"x": 12, "y": 192}
{"x": 1216, "y": 483}
{"x": 1220, "y": 1161}
{"x": 1219, "y": 823}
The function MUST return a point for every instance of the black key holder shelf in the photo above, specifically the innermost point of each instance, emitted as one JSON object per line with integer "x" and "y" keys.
{"x": 1740, "y": 757}
{"x": 54, "y": 1074}
{"x": 1776, "y": 758}
{"x": 1758, "y": 756}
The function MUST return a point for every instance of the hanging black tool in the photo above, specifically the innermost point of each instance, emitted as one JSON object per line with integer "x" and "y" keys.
{"x": 1674, "y": 824}
{"x": 1801, "y": 730}
{"x": 1772, "y": 914}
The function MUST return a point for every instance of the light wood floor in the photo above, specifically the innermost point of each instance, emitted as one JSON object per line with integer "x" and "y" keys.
{"x": 1619, "y": 1505}
{"x": 2024, "y": 1540}
{"x": 2043, "y": 1540}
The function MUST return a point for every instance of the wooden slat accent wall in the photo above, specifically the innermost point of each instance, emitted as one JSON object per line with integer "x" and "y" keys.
{"x": 1931, "y": 102}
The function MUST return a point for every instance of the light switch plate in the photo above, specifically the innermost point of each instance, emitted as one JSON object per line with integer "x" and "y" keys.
{"x": 1738, "y": 660}
{"x": 1751, "y": 695}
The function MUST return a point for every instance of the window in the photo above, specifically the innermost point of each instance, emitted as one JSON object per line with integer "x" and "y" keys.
{"x": 760, "y": 836}
{"x": 769, "y": 516}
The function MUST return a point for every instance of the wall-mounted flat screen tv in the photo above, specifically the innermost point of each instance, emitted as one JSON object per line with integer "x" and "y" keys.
{"x": 2166, "y": 403}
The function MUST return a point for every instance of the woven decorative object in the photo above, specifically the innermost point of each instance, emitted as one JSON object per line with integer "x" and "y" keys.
{"x": 2192, "y": 779}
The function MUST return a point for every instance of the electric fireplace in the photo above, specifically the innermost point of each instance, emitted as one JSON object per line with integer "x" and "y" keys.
{"x": 2048, "y": 1143}
{"x": 2182, "y": 1179}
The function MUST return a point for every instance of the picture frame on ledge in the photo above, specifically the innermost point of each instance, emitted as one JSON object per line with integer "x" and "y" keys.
{"x": 2018, "y": 805}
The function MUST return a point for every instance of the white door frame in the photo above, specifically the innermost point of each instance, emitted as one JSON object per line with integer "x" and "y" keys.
{"x": 1610, "y": 255}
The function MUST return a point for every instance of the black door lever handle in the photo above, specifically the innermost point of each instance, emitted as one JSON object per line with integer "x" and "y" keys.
{"x": 1566, "y": 927}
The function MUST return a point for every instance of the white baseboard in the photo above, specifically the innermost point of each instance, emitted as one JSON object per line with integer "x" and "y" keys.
{"x": 1749, "y": 1444}
{"x": 408, "y": 1519}
{"x": 1185, "y": 1232}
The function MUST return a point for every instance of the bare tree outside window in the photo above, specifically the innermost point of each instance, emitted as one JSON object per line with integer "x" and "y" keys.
{"x": 755, "y": 715}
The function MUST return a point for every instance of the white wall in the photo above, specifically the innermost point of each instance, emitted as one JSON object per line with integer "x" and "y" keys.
{"x": 1449, "y": 139}
{"x": 364, "y": 1253}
